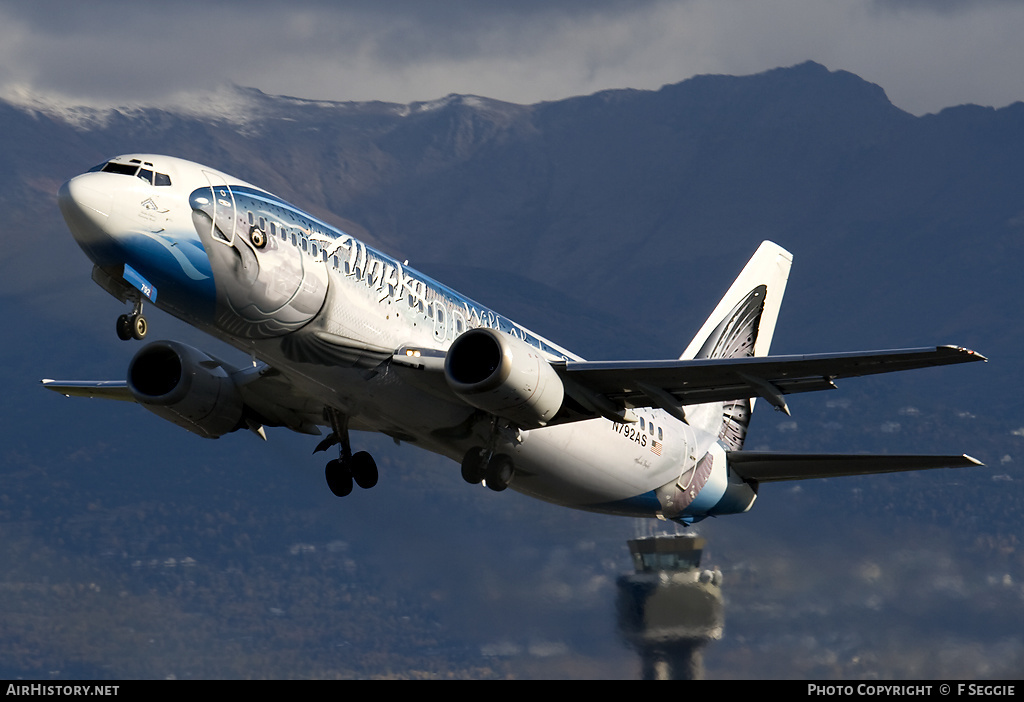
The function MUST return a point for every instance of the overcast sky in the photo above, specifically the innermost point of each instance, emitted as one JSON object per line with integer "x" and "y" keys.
{"x": 926, "y": 54}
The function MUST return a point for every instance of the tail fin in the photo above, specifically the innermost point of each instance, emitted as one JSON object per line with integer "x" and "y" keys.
{"x": 742, "y": 325}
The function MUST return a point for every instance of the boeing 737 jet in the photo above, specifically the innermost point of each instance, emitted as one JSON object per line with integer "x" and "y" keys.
{"x": 345, "y": 337}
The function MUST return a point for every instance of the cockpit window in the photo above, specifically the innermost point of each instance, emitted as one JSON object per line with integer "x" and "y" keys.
{"x": 121, "y": 168}
{"x": 131, "y": 169}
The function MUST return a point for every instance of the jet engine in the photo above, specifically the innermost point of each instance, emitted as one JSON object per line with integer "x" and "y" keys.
{"x": 185, "y": 386}
{"x": 503, "y": 375}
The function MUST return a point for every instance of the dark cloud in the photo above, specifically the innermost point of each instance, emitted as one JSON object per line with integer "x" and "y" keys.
{"x": 109, "y": 50}
{"x": 927, "y": 54}
{"x": 942, "y": 6}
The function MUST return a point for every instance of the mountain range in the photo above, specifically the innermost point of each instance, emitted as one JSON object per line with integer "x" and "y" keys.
{"x": 610, "y": 223}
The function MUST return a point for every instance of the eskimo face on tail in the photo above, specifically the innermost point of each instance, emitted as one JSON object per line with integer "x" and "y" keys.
{"x": 266, "y": 287}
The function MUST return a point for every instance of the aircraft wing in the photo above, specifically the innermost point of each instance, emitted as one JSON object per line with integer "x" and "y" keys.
{"x": 611, "y": 387}
{"x": 269, "y": 396}
{"x": 104, "y": 389}
{"x": 763, "y": 467}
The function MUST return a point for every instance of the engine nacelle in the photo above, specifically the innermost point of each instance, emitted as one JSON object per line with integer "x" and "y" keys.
{"x": 503, "y": 375}
{"x": 185, "y": 386}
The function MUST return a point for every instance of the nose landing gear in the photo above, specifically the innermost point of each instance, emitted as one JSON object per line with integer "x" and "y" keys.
{"x": 132, "y": 326}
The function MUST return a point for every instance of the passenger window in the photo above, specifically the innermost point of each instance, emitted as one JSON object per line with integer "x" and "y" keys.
{"x": 659, "y": 433}
{"x": 642, "y": 425}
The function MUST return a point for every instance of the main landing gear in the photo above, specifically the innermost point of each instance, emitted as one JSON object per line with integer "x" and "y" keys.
{"x": 132, "y": 326}
{"x": 480, "y": 465}
{"x": 347, "y": 468}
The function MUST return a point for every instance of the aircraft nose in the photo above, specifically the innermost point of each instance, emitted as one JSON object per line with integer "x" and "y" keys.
{"x": 86, "y": 209}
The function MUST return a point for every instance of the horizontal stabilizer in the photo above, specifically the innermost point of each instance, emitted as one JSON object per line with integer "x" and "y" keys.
{"x": 766, "y": 467}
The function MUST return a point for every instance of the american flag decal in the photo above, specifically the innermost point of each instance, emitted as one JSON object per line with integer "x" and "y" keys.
{"x": 656, "y": 448}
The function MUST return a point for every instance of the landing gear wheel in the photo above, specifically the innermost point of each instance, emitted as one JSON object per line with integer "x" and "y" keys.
{"x": 139, "y": 327}
{"x": 347, "y": 469}
{"x": 499, "y": 473}
{"x": 339, "y": 478}
{"x": 364, "y": 470}
{"x": 132, "y": 326}
{"x": 124, "y": 327}
{"x": 474, "y": 465}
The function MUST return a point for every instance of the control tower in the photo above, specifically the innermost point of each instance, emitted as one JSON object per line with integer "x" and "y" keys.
{"x": 668, "y": 609}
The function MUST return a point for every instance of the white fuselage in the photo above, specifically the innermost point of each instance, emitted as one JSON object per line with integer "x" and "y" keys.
{"x": 326, "y": 310}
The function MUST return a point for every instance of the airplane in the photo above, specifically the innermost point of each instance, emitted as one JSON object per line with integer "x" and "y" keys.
{"x": 342, "y": 336}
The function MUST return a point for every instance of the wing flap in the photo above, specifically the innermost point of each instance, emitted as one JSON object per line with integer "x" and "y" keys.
{"x": 763, "y": 467}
